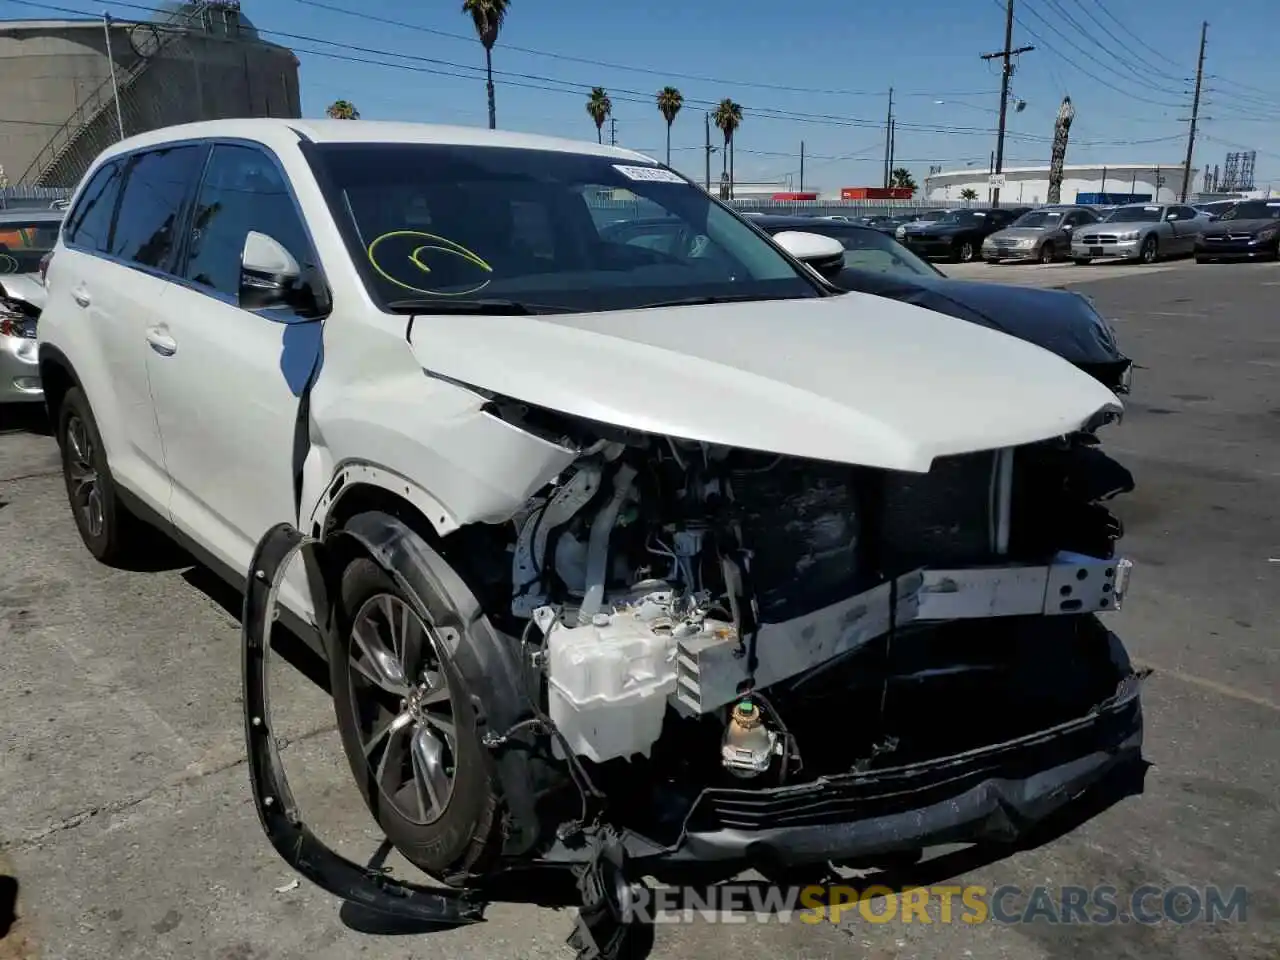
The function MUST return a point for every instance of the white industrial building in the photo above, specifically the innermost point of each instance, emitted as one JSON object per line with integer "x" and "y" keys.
{"x": 1030, "y": 185}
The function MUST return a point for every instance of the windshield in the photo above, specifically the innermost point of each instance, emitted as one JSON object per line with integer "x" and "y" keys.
{"x": 23, "y": 242}
{"x": 1254, "y": 210}
{"x": 873, "y": 251}
{"x": 962, "y": 216}
{"x": 565, "y": 231}
{"x": 1041, "y": 218}
{"x": 1134, "y": 214}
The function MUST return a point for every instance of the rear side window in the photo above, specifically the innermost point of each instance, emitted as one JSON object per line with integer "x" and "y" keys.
{"x": 89, "y": 224}
{"x": 158, "y": 185}
{"x": 243, "y": 190}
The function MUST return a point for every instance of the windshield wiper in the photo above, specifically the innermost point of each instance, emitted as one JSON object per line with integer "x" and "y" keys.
{"x": 483, "y": 307}
{"x": 724, "y": 298}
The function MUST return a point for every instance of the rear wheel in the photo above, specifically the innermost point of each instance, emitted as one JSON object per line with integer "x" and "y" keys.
{"x": 408, "y": 726}
{"x": 112, "y": 534}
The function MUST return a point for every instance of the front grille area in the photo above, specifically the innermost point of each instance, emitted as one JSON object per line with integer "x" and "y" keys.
{"x": 1100, "y": 238}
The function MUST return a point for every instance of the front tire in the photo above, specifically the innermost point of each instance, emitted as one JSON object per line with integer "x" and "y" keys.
{"x": 1150, "y": 251}
{"x": 1082, "y": 261}
{"x": 964, "y": 252}
{"x": 408, "y": 726}
{"x": 110, "y": 532}
{"x": 1047, "y": 253}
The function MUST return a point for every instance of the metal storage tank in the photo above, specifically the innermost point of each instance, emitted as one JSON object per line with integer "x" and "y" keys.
{"x": 193, "y": 61}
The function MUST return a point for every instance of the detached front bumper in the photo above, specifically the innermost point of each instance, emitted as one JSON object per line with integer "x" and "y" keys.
{"x": 994, "y": 794}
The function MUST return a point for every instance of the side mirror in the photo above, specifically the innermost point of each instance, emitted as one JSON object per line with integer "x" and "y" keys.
{"x": 1068, "y": 227}
{"x": 271, "y": 277}
{"x": 824, "y": 254}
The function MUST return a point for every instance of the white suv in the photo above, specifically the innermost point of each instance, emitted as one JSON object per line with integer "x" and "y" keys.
{"x": 605, "y": 494}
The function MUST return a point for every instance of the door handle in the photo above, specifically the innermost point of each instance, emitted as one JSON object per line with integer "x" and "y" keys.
{"x": 161, "y": 342}
{"x": 81, "y": 297}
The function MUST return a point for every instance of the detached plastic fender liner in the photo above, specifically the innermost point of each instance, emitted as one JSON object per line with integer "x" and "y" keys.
{"x": 277, "y": 810}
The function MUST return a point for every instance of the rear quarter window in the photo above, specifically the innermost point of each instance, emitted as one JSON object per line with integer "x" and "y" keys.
{"x": 88, "y": 225}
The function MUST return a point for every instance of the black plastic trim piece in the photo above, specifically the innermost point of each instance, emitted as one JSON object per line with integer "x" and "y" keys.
{"x": 277, "y": 810}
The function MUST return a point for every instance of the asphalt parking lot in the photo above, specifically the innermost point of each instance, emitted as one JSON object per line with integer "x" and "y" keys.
{"x": 125, "y": 817}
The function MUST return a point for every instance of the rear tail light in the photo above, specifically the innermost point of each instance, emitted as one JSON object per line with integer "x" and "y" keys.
{"x": 44, "y": 265}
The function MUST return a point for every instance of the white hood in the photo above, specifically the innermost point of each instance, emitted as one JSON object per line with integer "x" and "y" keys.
{"x": 26, "y": 287}
{"x": 853, "y": 378}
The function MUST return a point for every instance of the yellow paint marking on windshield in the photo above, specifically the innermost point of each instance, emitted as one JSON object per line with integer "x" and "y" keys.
{"x": 439, "y": 245}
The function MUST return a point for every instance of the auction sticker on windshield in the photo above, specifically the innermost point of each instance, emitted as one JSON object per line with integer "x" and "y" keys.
{"x": 649, "y": 174}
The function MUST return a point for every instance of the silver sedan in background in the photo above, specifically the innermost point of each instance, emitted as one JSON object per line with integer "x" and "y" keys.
{"x": 26, "y": 237}
{"x": 1042, "y": 234}
{"x": 1142, "y": 232}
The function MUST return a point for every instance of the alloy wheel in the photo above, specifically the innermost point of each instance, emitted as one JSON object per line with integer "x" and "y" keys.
{"x": 85, "y": 485}
{"x": 404, "y": 708}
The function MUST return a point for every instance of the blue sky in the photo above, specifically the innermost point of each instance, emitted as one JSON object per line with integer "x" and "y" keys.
{"x": 816, "y": 76}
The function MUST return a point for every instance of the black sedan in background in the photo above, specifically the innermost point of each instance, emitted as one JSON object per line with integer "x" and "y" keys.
{"x": 1249, "y": 230}
{"x": 958, "y": 236}
{"x": 1061, "y": 321}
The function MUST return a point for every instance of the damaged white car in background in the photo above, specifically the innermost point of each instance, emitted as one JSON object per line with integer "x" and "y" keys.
{"x": 625, "y": 559}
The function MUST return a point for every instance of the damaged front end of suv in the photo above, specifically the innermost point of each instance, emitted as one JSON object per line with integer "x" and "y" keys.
{"x": 707, "y": 647}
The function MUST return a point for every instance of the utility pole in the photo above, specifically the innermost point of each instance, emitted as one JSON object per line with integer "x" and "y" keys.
{"x": 802, "y": 166}
{"x": 613, "y": 131}
{"x": 1007, "y": 55}
{"x": 888, "y": 137}
{"x": 893, "y": 133}
{"x": 1195, "y": 114}
{"x": 706, "y": 126}
{"x": 111, "y": 65}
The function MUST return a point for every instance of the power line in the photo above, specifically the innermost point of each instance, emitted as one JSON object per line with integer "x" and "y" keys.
{"x": 1107, "y": 68}
{"x": 670, "y": 74}
{"x": 1142, "y": 61}
{"x": 1133, "y": 36}
{"x": 1121, "y": 60}
{"x": 433, "y": 66}
{"x": 1071, "y": 62}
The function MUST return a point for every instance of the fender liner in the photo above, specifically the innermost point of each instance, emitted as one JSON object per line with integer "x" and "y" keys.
{"x": 602, "y": 928}
{"x": 277, "y": 810}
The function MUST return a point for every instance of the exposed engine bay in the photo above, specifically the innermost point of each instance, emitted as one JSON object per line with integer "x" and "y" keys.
{"x": 676, "y": 593}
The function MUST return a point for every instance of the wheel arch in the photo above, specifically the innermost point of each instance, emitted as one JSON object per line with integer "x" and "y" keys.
{"x": 57, "y": 376}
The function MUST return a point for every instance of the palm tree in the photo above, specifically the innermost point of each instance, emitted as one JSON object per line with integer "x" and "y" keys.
{"x": 342, "y": 110}
{"x": 901, "y": 177}
{"x": 670, "y": 101}
{"x": 599, "y": 106}
{"x": 488, "y": 17}
{"x": 968, "y": 193}
{"x": 727, "y": 118}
